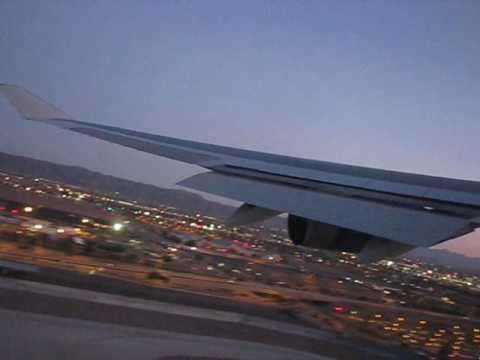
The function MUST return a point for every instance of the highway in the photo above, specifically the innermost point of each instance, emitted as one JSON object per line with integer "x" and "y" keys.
{"x": 200, "y": 284}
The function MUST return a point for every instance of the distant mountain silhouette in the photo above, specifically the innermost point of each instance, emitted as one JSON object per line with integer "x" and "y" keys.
{"x": 447, "y": 258}
{"x": 181, "y": 199}
{"x": 127, "y": 189}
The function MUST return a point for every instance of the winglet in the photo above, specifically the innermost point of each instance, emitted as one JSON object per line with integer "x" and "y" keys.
{"x": 31, "y": 107}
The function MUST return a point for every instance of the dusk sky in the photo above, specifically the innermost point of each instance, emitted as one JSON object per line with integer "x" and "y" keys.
{"x": 386, "y": 84}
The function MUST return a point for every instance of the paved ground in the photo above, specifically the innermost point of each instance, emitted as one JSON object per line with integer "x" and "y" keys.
{"x": 43, "y": 321}
{"x": 33, "y": 336}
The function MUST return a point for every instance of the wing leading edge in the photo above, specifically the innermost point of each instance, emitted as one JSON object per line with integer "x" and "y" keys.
{"x": 414, "y": 209}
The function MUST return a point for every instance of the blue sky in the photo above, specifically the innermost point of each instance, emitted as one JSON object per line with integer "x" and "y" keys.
{"x": 387, "y": 84}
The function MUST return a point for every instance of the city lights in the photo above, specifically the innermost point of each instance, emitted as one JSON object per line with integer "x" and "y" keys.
{"x": 408, "y": 302}
{"x": 117, "y": 227}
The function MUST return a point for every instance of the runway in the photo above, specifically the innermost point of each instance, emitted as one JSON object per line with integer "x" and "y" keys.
{"x": 34, "y": 336}
{"x": 44, "y": 321}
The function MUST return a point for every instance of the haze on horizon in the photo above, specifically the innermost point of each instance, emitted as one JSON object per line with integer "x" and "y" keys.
{"x": 393, "y": 85}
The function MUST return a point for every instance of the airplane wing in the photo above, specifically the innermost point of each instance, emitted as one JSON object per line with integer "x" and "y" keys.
{"x": 410, "y": 209}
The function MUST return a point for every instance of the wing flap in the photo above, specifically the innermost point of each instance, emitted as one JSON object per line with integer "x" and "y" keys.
{"x": 408, "y": 226}
{"x": 250, "y": 214}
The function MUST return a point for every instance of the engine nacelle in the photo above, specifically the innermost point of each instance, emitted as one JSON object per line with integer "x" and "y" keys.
{"x": 319, "y": 235}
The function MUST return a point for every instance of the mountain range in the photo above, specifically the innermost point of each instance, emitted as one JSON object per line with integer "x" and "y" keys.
{"x": 96, "y": 182}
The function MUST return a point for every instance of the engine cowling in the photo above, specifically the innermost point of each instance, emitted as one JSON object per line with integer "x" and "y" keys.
{"x": 315, "y": 234}
{"x": 319, "y": 235}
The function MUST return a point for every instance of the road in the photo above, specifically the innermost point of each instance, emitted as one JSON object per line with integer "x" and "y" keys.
{"x": 202, "y": 284}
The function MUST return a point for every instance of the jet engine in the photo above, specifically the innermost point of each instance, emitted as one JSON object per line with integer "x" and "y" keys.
{"x": 311, "y": 233}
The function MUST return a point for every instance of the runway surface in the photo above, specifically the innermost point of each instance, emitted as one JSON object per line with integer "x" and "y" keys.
{"x": 34, "y": 336}
{"x": 43, "y": 321}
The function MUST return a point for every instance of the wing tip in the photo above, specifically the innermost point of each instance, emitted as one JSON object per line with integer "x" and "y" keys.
{"x": 30, "y": 106}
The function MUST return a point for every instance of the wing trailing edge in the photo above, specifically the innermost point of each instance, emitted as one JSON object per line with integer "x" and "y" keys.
{"x": 405, "y": 225}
